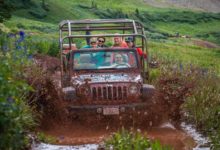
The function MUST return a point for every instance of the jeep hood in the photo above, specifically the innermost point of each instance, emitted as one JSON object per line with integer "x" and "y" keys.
{"x": 103, "y": 78}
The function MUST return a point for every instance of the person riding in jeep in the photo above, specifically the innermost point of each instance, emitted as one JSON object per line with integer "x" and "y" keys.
{"x": 118, "y": 42}
{"x": 120, "y": 61}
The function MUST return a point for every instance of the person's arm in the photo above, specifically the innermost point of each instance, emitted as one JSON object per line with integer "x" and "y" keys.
{"x": 87, "y": 46}
{"x": 140, "y": 52}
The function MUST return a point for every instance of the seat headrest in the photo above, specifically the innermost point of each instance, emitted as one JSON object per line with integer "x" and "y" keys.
{"x": 85, "y": 58}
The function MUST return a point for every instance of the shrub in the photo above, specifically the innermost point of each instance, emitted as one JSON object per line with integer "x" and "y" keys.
{"x": 110, "y": 14}
{"x": 195, "y": 91}
{"x": 46, "y": 47}
{"x": 20, "y": 25}
{"x": 132, "y": 141}
{"x": 38, "y": 12}
{"x": 16, "y": 117}
{"x": 45, "y": 138}
{"x": 157, "y": 36}
{"x": 54, "y": 49}
{"x": 203, "y": 107}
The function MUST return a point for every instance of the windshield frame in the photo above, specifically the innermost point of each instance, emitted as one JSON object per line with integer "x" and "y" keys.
{"x": 84, "y": 50}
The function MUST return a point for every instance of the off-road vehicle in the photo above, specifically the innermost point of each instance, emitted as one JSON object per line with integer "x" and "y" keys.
{"x": 92, "y": 79}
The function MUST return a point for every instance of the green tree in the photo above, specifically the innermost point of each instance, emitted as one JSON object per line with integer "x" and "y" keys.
{"x": 6, "y": 9}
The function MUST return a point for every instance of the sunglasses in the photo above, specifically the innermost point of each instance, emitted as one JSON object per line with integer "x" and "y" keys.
{"x": 93, "y": 43}
{"x": 101, "y": 41}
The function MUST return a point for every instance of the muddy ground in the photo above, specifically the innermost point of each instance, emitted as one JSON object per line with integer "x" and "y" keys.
{"x": 159, "y": 120}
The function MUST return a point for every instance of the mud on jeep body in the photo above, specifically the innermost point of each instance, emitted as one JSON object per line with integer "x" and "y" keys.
{"x": 92, "y": 79}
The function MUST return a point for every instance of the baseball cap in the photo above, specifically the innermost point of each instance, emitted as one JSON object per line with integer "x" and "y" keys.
{"x": 93, "y": 40}
{"x": 129, "y": 39}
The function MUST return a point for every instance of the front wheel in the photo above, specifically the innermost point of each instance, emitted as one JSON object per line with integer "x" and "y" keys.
{"x": 148, "y": 91}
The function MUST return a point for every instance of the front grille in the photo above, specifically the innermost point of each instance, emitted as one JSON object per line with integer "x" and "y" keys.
{"x": 109, "y": 92}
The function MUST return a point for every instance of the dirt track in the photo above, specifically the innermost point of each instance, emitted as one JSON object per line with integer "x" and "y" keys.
{"x": 97, "y": 128}
{"x": 160, "y": 119}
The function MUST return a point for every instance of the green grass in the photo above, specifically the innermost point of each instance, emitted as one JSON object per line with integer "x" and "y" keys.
{"x": 188, "y": 29}
{"x": 184, "y": 51}
{"x": 59, "y": 10}
{"x": 176, "y": 21}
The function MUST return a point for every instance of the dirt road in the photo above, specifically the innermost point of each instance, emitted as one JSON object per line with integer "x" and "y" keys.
{"x": 78, "y": 133}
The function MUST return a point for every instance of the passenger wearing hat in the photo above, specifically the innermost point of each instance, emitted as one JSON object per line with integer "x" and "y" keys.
{"x": 92, "y": 43}
{"x": 130, "y": 44}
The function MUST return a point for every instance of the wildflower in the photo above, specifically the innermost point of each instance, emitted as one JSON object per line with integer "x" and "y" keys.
{"x": 10, "y": 100}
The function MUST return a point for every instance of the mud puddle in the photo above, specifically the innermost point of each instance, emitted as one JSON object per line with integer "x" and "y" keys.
{"x": 161, "y": 121}
{"x": 79, "y": 138}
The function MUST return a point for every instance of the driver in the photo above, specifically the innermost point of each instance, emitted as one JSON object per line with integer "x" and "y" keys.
{"x": 120, "y": 61}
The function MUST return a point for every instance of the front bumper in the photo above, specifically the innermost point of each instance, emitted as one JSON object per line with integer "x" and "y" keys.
{"x": 99, "y": 109}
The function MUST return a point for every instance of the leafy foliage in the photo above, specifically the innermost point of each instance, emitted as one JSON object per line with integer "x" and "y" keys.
{"x": 132, "y": 141}
{"x": 45, "y": 47}
{"x": 180, "y": 17}
{"x": 15, "y": 116}
{"x": 203, "y": 107}
{"x": 45, "y": 138}
{"x": 5, "y": 10}
{"x": 38, "y": 13}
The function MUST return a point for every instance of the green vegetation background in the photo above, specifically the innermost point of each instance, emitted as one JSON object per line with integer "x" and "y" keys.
{"x": 41, "y": 19}
{"x": 166, "y": 30}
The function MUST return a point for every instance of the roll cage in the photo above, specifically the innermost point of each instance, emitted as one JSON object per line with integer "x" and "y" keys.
{"x": 79, "y": 29}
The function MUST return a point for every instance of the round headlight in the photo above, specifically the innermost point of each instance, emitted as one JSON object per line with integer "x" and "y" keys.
{"x": 85, "y": 90}
{"x": 133, "y": 89}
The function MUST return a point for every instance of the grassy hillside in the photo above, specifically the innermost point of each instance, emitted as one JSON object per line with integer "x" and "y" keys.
{"x": 167, "y": 21}
{"x": 184, "y": 51}
{"x": 161, "y": 25}
{"x": 202, "y": 5}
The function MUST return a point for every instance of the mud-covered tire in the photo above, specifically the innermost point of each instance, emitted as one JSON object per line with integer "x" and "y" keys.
{"x": 148, "y": 92}
{"x": 69, "y": 93}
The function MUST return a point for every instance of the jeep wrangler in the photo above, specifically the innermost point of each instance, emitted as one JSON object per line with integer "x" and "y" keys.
{"x": 107, "y": 80}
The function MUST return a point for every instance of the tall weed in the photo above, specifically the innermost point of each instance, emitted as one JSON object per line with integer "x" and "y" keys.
{"x": 16, "y": 117}
{"x": 195, "y": 91}
{"x": 203, "y": 107}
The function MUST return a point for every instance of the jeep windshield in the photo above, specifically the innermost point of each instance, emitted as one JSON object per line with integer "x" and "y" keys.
{"x": 95, "y": 59}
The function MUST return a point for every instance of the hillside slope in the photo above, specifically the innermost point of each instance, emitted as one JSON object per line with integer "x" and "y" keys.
{"x": 160, "y": 23}
{"x": 204, "y": 5}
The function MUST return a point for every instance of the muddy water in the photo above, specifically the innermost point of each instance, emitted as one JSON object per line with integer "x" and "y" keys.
{"x": 155, "y": 123}
{"x": 68, "y": 137}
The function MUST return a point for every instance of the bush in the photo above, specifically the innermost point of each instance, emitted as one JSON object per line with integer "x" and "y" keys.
{"x": 132, "y": 141}
{"x": 203, "y": 107}
{"x": 195, "y": 91}
{"x": 45, "y": 138}
{"x": 46, "y": 47}
{"x": 16, "y": 117}
{"x": 110, "y": 14}
{"x": 38, "y": 12}
{"x": 156, "y": 36}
